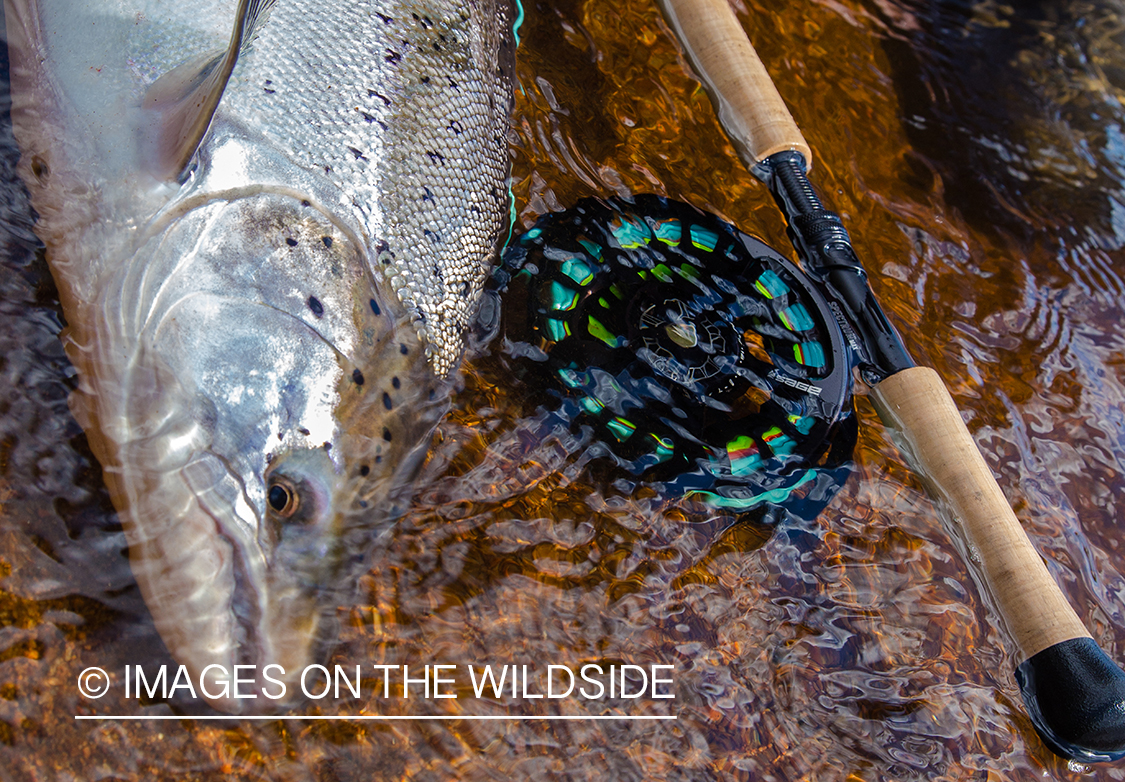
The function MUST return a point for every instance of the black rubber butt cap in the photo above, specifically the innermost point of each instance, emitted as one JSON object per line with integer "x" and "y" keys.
{"x": 1076, "y": 697}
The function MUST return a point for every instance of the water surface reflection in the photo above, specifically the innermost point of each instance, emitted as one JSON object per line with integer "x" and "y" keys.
{"x": 977, "y": 155}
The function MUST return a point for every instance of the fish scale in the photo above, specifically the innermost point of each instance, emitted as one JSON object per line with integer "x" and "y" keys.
{"x": 417, "y": 139}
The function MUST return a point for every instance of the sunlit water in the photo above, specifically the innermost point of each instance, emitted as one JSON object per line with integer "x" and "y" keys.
{"x": 977, "y": 154}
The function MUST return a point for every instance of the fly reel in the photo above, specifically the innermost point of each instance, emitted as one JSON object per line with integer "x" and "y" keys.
{"x": 709, "y": 365}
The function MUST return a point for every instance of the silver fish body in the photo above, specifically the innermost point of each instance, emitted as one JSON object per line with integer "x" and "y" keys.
{"x": 263, "y": 347}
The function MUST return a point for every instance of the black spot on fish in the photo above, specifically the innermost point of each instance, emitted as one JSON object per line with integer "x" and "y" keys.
{"x": 435, "y": 157}
{"x": 291, "y": 242}
{"x": 431, "y": 395}
{"x": 386, "y": 19}
{"x": 431, "y": 235}
{"x": 327, "y": 446}
{"x": 327, "y": 241}
{"x": 380, "y": 96}
{"x": 427, "y": 195}
{"x": 465, "y": 289}
{"x": 305, "y": 203}
{"x": 396, "y": 382}
{"x": 456, "y": 126}
{"x": 40, "y": 169}
{"x": 366, "y": 117}
{"x": 358, "y": 155}
{"x": 328, "y": 169}
{"x": 303, "y": 431}
{"x": 437, "y": 48}
{"x": 362, "y": 504}
{"x": 387, "y": 400}
{"x": 403, "y": 350}
{"x": 383, "y": 252}
{"x": 357, "y": 377}
{"x": 374, "y": 306}
{"x": 452, "y": 83}
{"x": 386, "y": 434}
{"x": 425, "y": 79}
{"x": 393, "y": 57}
{"x": 364, "y": 470}
{"x": 378, "y": 459}
{"x": 268, "y": 91}
{"x": 315, "y": 305}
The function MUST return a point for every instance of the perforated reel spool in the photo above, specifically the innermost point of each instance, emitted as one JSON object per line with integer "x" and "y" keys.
{"x": 709, "y": 365}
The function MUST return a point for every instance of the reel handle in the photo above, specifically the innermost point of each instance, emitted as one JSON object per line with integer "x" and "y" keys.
{"x": 750, "y": 108}
{"x": 1074, "y": 692}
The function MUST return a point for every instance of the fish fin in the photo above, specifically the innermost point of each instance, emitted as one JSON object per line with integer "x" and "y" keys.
{"x": 185, "y": 98}
{"x": 255, "y": 18}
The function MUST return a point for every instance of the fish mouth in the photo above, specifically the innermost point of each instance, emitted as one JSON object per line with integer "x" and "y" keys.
{"x": 245, "y": 631}
{"x": 248, "y": 604}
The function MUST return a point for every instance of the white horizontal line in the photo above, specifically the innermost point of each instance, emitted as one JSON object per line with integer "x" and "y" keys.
{"x": 376, "y": 717}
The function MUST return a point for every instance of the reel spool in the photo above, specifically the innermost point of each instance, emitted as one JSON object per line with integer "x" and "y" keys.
{"x": 708, "y": 365}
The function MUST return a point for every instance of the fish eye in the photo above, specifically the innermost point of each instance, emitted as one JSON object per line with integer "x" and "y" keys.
{"x": 283, "y": 498}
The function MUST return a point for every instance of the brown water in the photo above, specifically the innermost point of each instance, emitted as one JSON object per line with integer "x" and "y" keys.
{"x": 977, "y": 154}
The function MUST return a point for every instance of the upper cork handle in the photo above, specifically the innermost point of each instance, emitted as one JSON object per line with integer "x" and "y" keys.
{"x": 749, "y": 106}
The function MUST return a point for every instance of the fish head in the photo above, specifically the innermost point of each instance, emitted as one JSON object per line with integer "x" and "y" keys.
{"x": 277, "y": 407}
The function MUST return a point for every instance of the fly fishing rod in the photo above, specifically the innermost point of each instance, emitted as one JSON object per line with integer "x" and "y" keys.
{"x": 1074, "y": 692}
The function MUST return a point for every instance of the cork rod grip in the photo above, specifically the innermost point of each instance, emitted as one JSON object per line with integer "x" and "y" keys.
{"x": 750, "y": 108}
{"x": 916, "y": 403}
{"x": 1075, "y": 693}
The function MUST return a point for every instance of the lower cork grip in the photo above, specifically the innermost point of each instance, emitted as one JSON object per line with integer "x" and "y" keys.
{"x": 1074, "y": 692}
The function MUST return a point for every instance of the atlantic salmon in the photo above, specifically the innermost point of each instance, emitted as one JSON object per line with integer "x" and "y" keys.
{"x": 269, "y": 224}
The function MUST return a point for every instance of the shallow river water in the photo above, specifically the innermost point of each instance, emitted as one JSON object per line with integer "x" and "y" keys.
{"x": 977, "y": 154}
